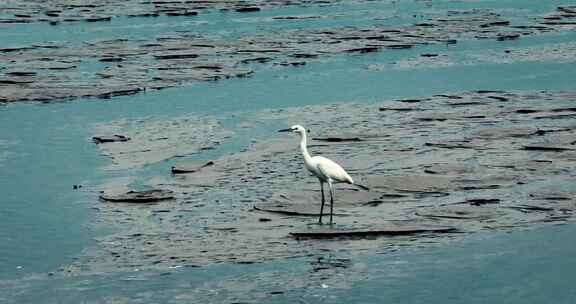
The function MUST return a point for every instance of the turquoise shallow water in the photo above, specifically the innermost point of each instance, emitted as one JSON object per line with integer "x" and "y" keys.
{"x": 531, "y": 266}
{"x": 45, "y": 149}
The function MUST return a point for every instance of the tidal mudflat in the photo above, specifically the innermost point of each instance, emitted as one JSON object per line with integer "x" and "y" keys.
{"x": 142, "y": 163}
{"x": 108, "y": 67}
{"x": 471, "y": 161}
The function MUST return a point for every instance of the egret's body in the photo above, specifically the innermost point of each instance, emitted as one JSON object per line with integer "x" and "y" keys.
{"x": 326, "y": 170}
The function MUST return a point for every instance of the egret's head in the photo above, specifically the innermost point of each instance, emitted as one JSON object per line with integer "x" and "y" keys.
{"x": 295, "y": 129}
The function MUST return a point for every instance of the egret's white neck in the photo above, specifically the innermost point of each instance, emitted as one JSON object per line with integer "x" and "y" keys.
{"x": 304, "y": 148}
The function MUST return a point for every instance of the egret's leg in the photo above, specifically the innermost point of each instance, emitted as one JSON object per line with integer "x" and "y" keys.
{"x": 322, "y": 207}
{"x": 331, "y": 200}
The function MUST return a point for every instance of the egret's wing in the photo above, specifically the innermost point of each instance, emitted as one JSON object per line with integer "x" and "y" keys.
{"x": 332, "y": 170}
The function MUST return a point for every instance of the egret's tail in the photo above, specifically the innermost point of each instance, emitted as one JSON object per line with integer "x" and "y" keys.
{"x": 362, "y": 187}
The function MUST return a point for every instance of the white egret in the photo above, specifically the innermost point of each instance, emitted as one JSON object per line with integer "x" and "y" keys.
{"x": 326, "y": 170}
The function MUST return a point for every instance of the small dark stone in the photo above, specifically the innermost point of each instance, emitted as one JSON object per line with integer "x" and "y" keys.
{"x": 247, "y": 9}
{"x": 98, "y": 19}
{"x": 482, "y": 201}
{"x": 256, "y": 59}
{"x": 496, "y": 23}
{"x": 107, "y": 139}
{"x": 292, "y": 63}
{"x": 182, "y": 13}
{"x": 21, "y": 73}
{"x": 488, "y": 92}
{"x": 52, "y": 13}
{"x": 499, "y": 98}
{"x": 111, "y": 59}
{"x": 175, "y": 56}
{"x": 338, "y": 139}
{"x": 399, "y": 46}
{"x": 363, "y": 50}
{"x": 304, "y": 55}
{"x": 504, "y": 37}
{"x": 410, "y": 100}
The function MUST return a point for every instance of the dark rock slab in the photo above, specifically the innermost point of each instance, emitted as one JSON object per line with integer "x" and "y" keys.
{"x": 97, "y": 18}
{"x": 108, "y": 139}
{"x": 190, "y": 168}
{"x": 400, "y": 107}
{"x": 546, "y": 148}
{"x": 181, "y": 13}
{"x": 399, "y": 46}
{"x": 20, "y": 73}
{"x": 247, "y": 9}
{"x": 148, "y": 196}
{"x": 363, "y": 50}
{"x": 365, "y": 232}
{"x": 291, "y": 63}
{"x": 297, "y": 17}
{"x": 549, "y": 195}
{"x": 507, "y": 36}
{"x": 338, "y": 139}
{"x": 544, "y": 110}
{"x": 175, "y": 55}
{"x": 479, "y": 201}
{"x": 109, "y": 92}
{"x": 14, "y": 48}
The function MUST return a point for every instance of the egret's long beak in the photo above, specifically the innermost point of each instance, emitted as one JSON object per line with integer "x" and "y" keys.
{"x": 285, "y": 130}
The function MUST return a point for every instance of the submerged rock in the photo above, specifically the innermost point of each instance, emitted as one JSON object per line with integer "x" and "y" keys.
{"x": 148, "y": 196}
{"x": 359, "y": 232}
